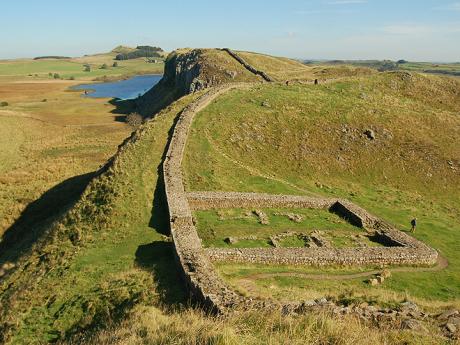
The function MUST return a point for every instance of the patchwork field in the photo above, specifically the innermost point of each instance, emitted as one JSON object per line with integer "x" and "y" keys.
{"x": 75, "y": 68}
{"x": 51, "y": 136}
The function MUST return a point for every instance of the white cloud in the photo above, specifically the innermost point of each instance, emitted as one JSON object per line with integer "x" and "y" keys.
{"x": 308, "y": 12}
{"x": 347, "y": 2}
{"x": 406, "y": 29}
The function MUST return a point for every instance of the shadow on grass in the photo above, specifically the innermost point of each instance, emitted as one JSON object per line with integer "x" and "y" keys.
{"x": 160, "y": 213}
{"x": 158, "y": 257}
{"x": 122, "y": 108}
{"x": 38, "y": 216}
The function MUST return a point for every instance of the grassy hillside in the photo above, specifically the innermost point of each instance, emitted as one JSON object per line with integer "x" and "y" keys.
{"x": 48, "y": 134}
{"x": 448, "y": 69}
{"x": 311, "y": 139}
{"x": 98, "y": 268}
{"x": 103, "y": 256}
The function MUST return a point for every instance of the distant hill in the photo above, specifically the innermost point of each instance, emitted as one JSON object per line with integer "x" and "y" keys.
{"x": 451, "y": 69}
{"x": 125, "y": 53}
{"x": 52, "y": 57}
{"x": 122, "y": 49}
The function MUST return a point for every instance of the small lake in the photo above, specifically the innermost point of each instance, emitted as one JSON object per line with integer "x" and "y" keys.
{"x": 123, "y": 89}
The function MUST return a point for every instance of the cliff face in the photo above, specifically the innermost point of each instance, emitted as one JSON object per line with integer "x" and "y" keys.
{"x": 184, "y": 72}
{"x": 187, "y": 71}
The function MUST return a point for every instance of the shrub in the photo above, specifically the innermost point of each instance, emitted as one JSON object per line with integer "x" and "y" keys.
{"x": 104, "y": 66}
{"x": 4, "y": 104}
{"x": 115, "y": 64}
{"x": 56, "y": 76}
{"x": 87, "y": 68}
{"x": 134, "y": 119}
{"x": 72, "y": 78}
{"x": 387, "y": 65}
{"x": 50, "y": 74}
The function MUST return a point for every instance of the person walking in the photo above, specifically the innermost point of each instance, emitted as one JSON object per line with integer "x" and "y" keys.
{"x": 413, "y": 224}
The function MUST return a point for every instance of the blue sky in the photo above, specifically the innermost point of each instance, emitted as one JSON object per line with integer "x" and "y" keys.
{"x": 427, "y": 30}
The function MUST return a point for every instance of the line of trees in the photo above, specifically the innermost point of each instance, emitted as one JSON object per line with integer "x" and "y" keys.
{"x": 141, "y": 51}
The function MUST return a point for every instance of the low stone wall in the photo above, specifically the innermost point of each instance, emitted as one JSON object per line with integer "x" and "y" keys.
{"x": 247, "y": 66}
{"x": 202, "y": 281}
{"x": 404, "y": 248}
{"x": 216, "y": 200}
{"x": 322, "y": 256}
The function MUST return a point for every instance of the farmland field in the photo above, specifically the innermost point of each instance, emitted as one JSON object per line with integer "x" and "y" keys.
{"x": 48, "y": 133}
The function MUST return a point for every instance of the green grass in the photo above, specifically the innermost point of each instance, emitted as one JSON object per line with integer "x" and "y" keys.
{"x": 89, "y": 262}
{"x": 40, "y": 69}
{"x": 310, "y": 141}
{"x": 292, "y": 242}
{"x": 105, "y": 256}
{"x": 214, "y": 226}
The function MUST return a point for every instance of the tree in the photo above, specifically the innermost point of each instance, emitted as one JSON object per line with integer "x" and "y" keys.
{"x": 56, "y": 76}
{"x": 134, "y": 119}
{"x": 104, "y": 66}
{"x": 87, "y": 68}
{"x": 115, "y": 64}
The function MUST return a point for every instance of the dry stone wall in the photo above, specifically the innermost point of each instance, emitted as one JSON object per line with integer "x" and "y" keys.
{"x": 403, "y": 249}
{"x": 247, "y": 66}
{"x": 216, "y": 200}
{"x": 322, "y": 256}
{"x": 199, "y": 274}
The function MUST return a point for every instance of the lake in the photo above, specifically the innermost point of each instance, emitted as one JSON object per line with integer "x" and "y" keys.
{"x": 123, "y": 89}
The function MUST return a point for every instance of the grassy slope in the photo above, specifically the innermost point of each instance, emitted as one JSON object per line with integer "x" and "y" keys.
{"x": 45, "y": 143}
{"x": 108, "y": 255}
{"x": 96, "y": 263}
{"x": 277, "y": 67}
{"x": 99, "y": 259}
{"x": 60, "y": 135}
{"x": 310, "y": 140}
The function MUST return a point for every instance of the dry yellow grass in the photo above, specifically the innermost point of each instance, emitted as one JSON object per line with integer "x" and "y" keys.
{"x": 150, "y": 325}
{"x": 47, "y": 135}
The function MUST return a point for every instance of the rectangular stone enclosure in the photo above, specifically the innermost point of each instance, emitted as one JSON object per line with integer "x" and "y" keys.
{"x": 398, "y": 248}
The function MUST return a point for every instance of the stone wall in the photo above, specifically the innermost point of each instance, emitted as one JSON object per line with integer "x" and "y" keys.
{"x": 403, "y": 250}
{"x": 199, "y": 274}
{"x": 216, "y": 200}
{"x": 247, "y": 66}
{"x": 322, "y": 256}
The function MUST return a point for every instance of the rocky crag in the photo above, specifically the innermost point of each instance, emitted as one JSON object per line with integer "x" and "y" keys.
{"x": 191, "y": 70}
